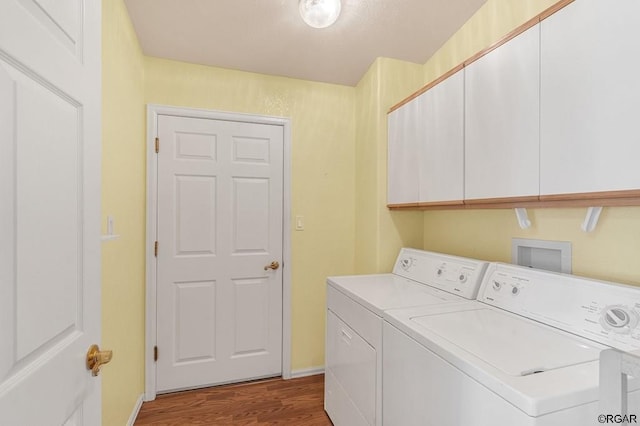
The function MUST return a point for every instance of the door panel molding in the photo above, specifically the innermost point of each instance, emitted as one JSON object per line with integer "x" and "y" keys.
{"x": 50, "y": 213}
{"x": 252, "y": 151}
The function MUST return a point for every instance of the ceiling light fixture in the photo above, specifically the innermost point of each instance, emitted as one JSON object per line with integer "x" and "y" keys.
{"x": 319, "y": 13}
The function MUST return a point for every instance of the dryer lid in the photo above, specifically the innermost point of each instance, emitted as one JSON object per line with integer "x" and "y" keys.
{"x": 387, "y": 291}
{"x": 513, "y": 345}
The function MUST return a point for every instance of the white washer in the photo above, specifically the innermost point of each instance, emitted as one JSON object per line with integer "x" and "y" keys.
{"x": 526, "y": 353}
{"x": 355, "y": 304}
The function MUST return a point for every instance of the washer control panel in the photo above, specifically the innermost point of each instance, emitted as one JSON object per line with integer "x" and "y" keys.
{"x": 602, "y": 311}
{"x": 507, "y": 287}
{"x": 457, "y": 275}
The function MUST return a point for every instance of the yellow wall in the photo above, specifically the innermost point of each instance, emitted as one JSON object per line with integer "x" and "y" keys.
{"x": 323, "y": 176}
{"x": 323, "y": 184}
{"x": 380, "y": 233}
{"x": 123, "y": 197}
{"x": 611, "y": 252}
{"x": 339, "y": 138}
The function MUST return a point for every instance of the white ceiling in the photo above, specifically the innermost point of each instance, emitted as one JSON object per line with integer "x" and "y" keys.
{"x": 269, "y": 36}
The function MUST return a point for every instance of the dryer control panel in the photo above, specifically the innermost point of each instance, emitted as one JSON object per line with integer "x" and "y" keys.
{"x": 606, "y": 312}
{"x": 453, "y": 274}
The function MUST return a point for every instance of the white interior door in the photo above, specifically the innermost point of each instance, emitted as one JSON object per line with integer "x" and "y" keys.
{"x": 220, "y": 207}
{"x": 49, "y": 210}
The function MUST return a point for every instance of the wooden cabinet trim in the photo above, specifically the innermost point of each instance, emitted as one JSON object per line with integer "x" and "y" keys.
{"x": 553, "y": 9}
{"x": 441, "y": 203}
{"x": 522, "y": 28}
{"x": 509, "y": 200}
{"x": 625, "y": 198}
{"x": 445, "y": 205}
{"x": 604, "y": 195}
{"x": 435, "y": 82}
{"x": 513, "y": 34}
{"x": 404, "y": 206}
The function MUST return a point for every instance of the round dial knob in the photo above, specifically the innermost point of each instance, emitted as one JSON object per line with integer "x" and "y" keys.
{"x": 462, "y": 278}
{"x": 515, "y": 290}
{"x": 618, "y": 319}
{"x": 406, "y": 263}
{"x": 496, "y": 285}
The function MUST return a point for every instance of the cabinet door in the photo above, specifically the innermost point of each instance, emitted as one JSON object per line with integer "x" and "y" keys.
{"x": 403, "y": 154}
{"x": 441, "y": 147}
{"x": 502, "y": 120}
{"x": 590, "y": 98}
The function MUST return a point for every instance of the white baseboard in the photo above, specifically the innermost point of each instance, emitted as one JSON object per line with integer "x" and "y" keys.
{"x": 136, "y": 410}
{"x": 307, "y": 372}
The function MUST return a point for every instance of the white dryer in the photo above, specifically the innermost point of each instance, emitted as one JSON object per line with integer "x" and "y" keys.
{"x": 355, "y": 305}
{"x": 526, "y": 353}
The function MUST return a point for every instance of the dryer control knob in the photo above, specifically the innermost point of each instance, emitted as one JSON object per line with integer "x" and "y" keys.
{"x": 462, "y": 278}
{"x": 406, "y": 263}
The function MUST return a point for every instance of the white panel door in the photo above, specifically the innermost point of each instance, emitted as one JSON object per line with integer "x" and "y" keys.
{"x": 402, "y": 162}
{"x": 49, "y": 211}
{"x": 442, "y": 145}
{"x": 502, "y": 120}
{"x": 589, "y": 98}
{"x": 219, "y": 311}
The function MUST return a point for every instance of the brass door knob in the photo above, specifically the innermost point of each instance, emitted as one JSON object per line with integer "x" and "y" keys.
{"x": 97, "y": 358}
{"x": 273, "y": 265}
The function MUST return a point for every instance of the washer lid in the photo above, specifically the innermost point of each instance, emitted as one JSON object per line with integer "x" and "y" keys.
{"x": 512, "y": 345}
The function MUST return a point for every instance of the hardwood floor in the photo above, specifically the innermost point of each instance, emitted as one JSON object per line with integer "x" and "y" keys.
{"x": 267, "y": 402}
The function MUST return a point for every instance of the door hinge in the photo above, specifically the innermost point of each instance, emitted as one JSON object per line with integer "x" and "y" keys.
{"x": 155, "y": 353}
{"x": 157, "y": 145}
{"x": 155, "y": 249}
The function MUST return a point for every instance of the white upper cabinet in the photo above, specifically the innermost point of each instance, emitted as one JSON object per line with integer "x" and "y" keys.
{"x": 403, "y": 175}
{"x": 590, "y": 98}
{"x": 502, "y": 117}
{"x": 441, "y": 145}
{"x": 426, "y": 144}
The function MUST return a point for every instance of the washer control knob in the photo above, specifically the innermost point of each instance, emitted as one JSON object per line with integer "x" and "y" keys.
{"x": 462, "y": 278}
{"x": 616, "y": 317}
{"x": 515, "y": 290}
{"x": 496, "y": 285}
{"x": 619, "y": 319}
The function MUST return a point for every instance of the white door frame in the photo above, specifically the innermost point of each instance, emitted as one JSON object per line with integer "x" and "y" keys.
{"x": 153, "y": 111}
